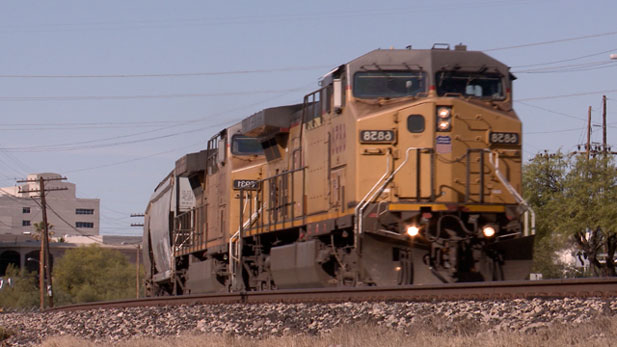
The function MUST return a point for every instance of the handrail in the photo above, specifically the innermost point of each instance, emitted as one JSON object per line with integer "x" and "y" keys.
{"x": 362, "y": 204}
{"x": 494, "y": 161}
{"x": 372, "y": 193}
{"x": 182, "y": 235}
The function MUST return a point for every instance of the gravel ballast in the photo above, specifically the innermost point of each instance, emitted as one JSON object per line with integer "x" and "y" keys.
{"x": 260, "y": 321}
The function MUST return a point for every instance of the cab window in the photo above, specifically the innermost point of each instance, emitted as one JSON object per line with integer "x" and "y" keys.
{"x": 470, "y": 84}
{"x": 244, "y": 145}
{"x": 388, "y": 84}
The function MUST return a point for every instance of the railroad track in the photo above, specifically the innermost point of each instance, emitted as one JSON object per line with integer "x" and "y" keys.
{"x": 588, "y": 287}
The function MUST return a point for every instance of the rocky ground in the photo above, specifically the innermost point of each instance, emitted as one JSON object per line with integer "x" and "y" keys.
{"x": 262, "y": 321}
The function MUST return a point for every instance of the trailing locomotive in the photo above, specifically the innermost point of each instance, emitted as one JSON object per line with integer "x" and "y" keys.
{"x": 404, "y": 167}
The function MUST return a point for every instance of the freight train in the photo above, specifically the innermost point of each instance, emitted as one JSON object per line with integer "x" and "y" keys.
{"x": 403, "y": 167}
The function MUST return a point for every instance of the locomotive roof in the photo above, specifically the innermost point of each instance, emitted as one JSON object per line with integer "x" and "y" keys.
{"x": 428, "y": 60}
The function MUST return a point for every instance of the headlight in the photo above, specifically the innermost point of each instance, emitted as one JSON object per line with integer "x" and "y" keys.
{"x": 444, "y": 118}
{"x": 413, "y": 230}
{"x": 488, "y": 231}
{"x": 443, "y": 112}
{"x": 443, "y": 125}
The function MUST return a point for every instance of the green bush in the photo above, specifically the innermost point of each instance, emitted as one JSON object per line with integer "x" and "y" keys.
{"x": 92, "y": 273}
{"x": 23, "y": 293}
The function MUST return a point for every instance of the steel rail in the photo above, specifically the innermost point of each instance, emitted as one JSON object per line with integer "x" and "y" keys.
{"x": 503, "y": 290}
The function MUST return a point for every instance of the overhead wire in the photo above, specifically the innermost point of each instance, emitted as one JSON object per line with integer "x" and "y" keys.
{"x": 598, "y": 92}
{"x": 69, "y": 224}
{"x": 143, "y": 96}
{"x": 141, "y": 157}
{"x": 169, "y": 74}
{"x": 550, "y": 110}
{"x": 90, "y": 143}
{"x": 550, "y": 42}
{"x": 565, "y": 60}
{"x": 552, "y": 131}
{"x": 78, "y": 147}
{"x": 11, "y": 196}
{"x": 256, "y": 18}
{"x": 571, "y": 68}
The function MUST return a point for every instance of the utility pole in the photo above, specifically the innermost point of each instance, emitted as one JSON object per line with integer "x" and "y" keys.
{"x": 593, "y": 149}
{"x": 604, "y": 145}
{"x": 137, "y": 271}
{"x": 44, "y": 263}
{"x": 588, "y": 147}
{"x": 138, "y": 253}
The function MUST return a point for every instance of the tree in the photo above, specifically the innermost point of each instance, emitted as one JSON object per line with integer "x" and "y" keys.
{"x": 543, "y": 187}
{"x": 39, "y": 228}
{"x": 92, "y": 273}
{"x": 575, "y": 199}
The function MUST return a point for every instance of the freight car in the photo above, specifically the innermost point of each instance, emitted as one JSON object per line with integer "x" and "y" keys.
{"x": 404, "y": 167}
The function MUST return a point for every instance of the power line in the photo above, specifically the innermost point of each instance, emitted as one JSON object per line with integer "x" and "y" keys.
{"x": 130, "y": 160}
{"x": 550, "y": 111}
{"x": 552, "y": 131}
{"x": 51, "y": 127}
{"x": 177, "y": 74}
{"x": 542, "y": 43}
{"x": 566, "y": 60}
{"x": 256, "y": 18}
{"x": 606, "y": 91}
{"x": 144, "y": 96}
{"x": 80, "y": 145}
{"x": 77, "y": 146}
{"x": 271, "y": 70}
{"x": 71, "y": 225}
{"x": 104, "y": 124}
{"x": 11, "y": 196}
{"x": 570, "y": 68}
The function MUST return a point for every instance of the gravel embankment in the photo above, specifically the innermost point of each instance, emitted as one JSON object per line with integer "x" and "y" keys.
{"x": 466, "y": 317}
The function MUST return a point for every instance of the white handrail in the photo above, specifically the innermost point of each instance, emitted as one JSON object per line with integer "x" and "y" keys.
{"x": 235, "y": 238}
{"x": 493, "y": 158}
{"x": 372, "y": 194}
{"x": 364, "y": 202}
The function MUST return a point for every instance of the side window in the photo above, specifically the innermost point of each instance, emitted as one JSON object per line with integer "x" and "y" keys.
{"x": 343, "y": 90}
{"x": 216, "y": 153}
{"x": 222, "y": 150}
{"x": 312, "y": 109}
{"x": 244, "y": 145}
{"x": 327, "y": 99}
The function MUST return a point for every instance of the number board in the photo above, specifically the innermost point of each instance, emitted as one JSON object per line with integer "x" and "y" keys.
{"x": 377, "y": 136}
{"x": 246, "y": 184}
{"x": 504, "y": 138}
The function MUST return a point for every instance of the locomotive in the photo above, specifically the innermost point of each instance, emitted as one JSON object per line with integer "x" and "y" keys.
{"x": 403, "y": 167}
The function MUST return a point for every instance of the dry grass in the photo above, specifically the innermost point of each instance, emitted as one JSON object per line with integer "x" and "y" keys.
{"x": 601, "y": 332}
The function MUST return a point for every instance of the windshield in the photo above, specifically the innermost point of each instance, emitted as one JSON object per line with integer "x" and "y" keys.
{"x": 388, "y": 84}
{"x": 474, "y": 84}
{"x": 244, "y": 145}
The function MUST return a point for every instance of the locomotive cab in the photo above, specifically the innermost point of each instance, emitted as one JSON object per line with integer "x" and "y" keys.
{"x": 440, "y": 144}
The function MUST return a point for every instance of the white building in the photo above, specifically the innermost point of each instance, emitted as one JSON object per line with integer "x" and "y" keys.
{"x": 67, "y": 214}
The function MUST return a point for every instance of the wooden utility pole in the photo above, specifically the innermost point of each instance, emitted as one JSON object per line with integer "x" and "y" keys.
{"x": 138, "y": 254}
{"x": 45, "y": 237}
{"x": 604, "y": 144}
{"x": 137, "y": 271}
{"x": 588, "y": 147}
{"x": 44, "y": 259}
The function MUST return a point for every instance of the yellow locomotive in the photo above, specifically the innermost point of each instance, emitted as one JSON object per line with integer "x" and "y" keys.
{"x": 404, "y": 167}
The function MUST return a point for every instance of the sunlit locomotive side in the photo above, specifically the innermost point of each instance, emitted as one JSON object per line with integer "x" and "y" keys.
{"x": 404, "y": 167}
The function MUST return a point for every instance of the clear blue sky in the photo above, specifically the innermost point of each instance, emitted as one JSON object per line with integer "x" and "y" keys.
{"x": 117, "y": 135}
